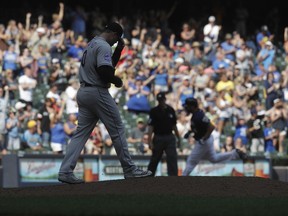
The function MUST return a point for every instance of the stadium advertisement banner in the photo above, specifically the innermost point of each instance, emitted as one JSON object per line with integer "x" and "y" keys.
{"x": 39, "y": 170}
{"x": 110, "y": 168}
{"x": 91, "y": 170}
{"x": 251, "y": 167}
{"x": 43, "y": 170}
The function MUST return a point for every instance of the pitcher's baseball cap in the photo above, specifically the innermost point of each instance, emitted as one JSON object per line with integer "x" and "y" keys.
{"x": 115, "y": 27}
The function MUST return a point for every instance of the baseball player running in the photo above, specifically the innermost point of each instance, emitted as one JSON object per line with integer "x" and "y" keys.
{"x": 96, "y": 74}
{"x": 201, "y": 128}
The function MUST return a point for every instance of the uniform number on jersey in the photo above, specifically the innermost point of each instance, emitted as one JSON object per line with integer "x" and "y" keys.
{"x": 83, "y": 58}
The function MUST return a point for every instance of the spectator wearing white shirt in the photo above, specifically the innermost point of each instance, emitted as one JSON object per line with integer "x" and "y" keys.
{"x": 71, "y": 91}
{"x": 26, "y": 86}
{"x": 211, "y": 33}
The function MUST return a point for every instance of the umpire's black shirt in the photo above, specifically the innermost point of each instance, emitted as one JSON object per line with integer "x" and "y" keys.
{"x": 162, "y": 119}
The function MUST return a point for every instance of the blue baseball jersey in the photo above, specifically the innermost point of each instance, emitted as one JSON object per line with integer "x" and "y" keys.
{"x": 199, "y": 124}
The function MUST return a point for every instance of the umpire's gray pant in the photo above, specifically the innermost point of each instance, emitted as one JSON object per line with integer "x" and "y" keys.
{"x": 96, "y": 103}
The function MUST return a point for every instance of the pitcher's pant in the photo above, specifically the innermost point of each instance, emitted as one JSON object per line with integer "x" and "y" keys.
{"x": 206, "y": 151}
{"x": 96, "y": 103}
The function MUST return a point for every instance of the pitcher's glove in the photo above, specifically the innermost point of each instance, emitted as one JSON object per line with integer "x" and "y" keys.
{"x": 118, "y": 82}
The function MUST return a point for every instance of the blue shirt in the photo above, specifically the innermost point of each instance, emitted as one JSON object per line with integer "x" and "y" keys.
{"x": 217, "y": 62}
{"x": 269, "y": 147}
{"x": 32, "y": 139}
{"x": 228, "y": 47}
{"x": 13, "y": 131}
{"x": 10, "y": 60}
{"x": 58, "y": 134}
{"x": 139, "y": 102}
{"x": 270, "y": 57}
{"x": 161, "y": 79}
{"x": 241, "y": 132}
{"x": 75, "y": 52}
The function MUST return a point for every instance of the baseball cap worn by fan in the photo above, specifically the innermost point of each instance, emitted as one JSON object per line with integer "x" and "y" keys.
{"x": 19, "y": 105}
{"x": 115, "y": 27}
{"x": 140, "y": 120}
{"x": 31, "y": 124}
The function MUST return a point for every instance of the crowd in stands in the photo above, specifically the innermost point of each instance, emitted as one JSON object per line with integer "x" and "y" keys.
{"x": 241, "y": 81}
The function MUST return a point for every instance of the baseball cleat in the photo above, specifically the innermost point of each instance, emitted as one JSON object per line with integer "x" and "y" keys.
{"x": 69, "y": 178}
{"x": 138, "y": 173}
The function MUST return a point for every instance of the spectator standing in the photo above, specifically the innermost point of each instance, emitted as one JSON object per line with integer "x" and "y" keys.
{"x": 211, "y": 32}
{"x": 38, "y": 38}
{"x": 43, "y": 60}
{"x": 138, "y": 97}
{"x": 255, "y": 132}
{"x": 70, "y": 126}
{"x": 12, "y": 125}
{"x": 44, "y": 119}
{"x": 27, "y": 84}
{"x": 266, "y": 55}
{"x": 271, "y": 90}
{"x": 228, "y": 47}
{"x": 187, "y": 33}
{"x": 12, "y": 85}
{"x": 71, "y": 92}
{"x": 241, "y": 131}
{"x": 58, "y": 135}
{"x": 270, "y": 137}
{"x": 162, "y": 123}
{"x": 11, "y": 60}
{"x": 285, "y": 44}
{"x": 25, "y": 60}
{"x": 263, "y": 36}
{"x": 4, "y": 98}
{"x": 279, "y": 117}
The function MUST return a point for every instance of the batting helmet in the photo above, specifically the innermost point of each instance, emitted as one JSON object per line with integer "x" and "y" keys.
{"x": 191, "y": 102}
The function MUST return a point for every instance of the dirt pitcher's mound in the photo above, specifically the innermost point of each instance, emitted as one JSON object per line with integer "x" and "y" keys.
{"x": 190, "y": 186}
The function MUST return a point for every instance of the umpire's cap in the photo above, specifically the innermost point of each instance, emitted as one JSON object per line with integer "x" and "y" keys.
{"x": 161, "y": 96}
{"x": 115, "y": 27}
{"x": 191, "y": 102}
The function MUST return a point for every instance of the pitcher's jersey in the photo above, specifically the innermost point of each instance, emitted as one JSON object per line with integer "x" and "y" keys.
{"x": 199, "y": 124}
{"x": 97, "y": 53}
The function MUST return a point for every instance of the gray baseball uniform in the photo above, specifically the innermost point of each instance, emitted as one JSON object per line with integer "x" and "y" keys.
{"x": 95, "y": 102}
{"x": 204, "y": 149}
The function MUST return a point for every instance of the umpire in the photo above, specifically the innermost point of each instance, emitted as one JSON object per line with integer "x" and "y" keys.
{"x": 162, "y": 123}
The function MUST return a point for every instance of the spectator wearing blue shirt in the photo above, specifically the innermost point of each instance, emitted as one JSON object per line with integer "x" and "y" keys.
{"x": 31, "y": 137}
{"x": 58, "y": 135}
{"x": 76, "y": 50}
{"x": 10, "y": 59}
{"x": 12, "y": 125}
{"x": 228, "y": 47}
{"x": 270, "y": 137}
{"x": 138, "y": 97}
{"x": 262, "y": 36}
{"x": 266, "y": 55}
{"x": 241, "y": 131}
{"x": 160, "y": 80}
